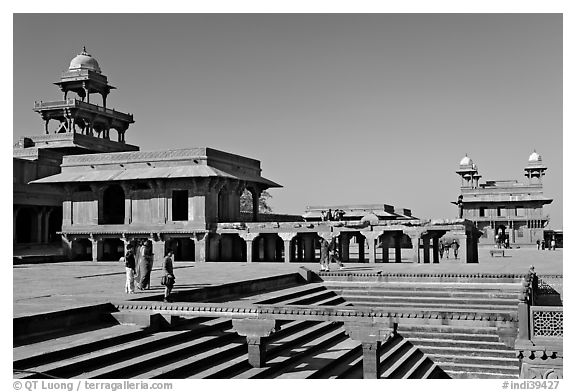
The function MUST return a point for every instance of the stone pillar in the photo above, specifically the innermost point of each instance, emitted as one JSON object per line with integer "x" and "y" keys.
{"x": 464, "y": 253}
{"x": 248, "y": 238}
{"x": 158, "y": 248}
{"x": 372, "y": 239}
{"x": 256, "y": 331}
{"x": 426, "y": 248}
{"x": 398, "y": 247}
{"x": 200, "y": 247}
{"x": 97, "y": 248}
{"x": 372, "y": 336}
{"x": 435, "y": 250}
{"x": 67, "y": 207}
{"x": 255, "y": 204}
{"x": 345, "y": 245}
{"x": 360, "y": 241}
{"x": 415, "y": 238}
{"x": 287, "y": 238}
{"x": 309, "y": 251}
{"x": 128, "y": 194}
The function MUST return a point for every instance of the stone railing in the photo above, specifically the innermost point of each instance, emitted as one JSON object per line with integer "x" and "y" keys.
{"x": 539, "y": 345}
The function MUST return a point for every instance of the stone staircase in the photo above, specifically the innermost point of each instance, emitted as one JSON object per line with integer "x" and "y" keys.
{"x": 465, "y": 351}
{"x": 208, "y": 347}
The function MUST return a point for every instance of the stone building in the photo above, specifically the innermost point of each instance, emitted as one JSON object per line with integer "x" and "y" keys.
{"x": 109, "y": 194}
{"x": 73, "y": 125}
{"x": 510, "y": 207}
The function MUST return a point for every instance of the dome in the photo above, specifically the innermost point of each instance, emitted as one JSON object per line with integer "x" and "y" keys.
{"x": 535, "y": 157}
{"x": 466, "y": 161}
{"x": 84, "y": 61}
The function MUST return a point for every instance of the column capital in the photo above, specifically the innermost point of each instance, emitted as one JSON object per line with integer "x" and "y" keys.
{"x": 249, "y": 236}
{"x": 368, "y": 332}
{"x": 199, "y": 236}
{"x": 287, "y": 236}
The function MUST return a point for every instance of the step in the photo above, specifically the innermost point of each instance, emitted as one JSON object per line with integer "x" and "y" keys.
{"x": 434, "y": 307}
{"x": 419, "y": 285}
{"x": 72, "y": 345}
{"x": 75, "y": 365}
{"x": 485, "y": 302}
{"x": 290, "y": 335}
{"x": 135, "y": 365}
{"x": 498, "y": 351}
{"x": 339, "y": 364}
{"x": 393, "y": 292}
{"x": 448, "y": 329}
{"x": 423, "y": 369}
{"x": 446, "y": 342}
{"x": 419, "y": 364}
{"x": 455, "y": 336}
{"x": 450, "y": 368}
{"x": 309, "y": 299}
{"x": 472, "y": 359}
{"x": 286, "y": 294}
{"x": 333, "y": 301}
{"x": 288, "y": 358}
{"x": 478, "y": 375}
{"x": 390, "y": 364}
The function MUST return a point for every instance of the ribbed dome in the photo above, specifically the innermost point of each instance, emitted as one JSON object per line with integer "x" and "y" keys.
{"x": 535, "y": 157}
{"x": 84, "y": 61}
{"x": 466, "y": 161}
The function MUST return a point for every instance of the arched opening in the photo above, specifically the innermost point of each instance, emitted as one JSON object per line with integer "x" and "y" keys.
{"x": 25, "y": 227}
{"x": 81, "y": 249}
{"x": 54, "y": 224}
{"x": 112, "y": 249}
{"x": 232, "y": 248}
{"x": 267, "y": 247}
{"x": 113, "y": 205}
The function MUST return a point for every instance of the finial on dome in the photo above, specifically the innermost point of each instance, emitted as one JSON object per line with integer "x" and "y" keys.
{"x": 84, "y": 51}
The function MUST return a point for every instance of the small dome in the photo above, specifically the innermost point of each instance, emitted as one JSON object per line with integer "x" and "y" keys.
{"x": 535, "y": 157}
{"x": 84, "y": 61}
{"x": 466, "y": 161}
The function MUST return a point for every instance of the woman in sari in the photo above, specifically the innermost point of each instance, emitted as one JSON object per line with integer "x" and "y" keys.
{"x": 146, "y": 261}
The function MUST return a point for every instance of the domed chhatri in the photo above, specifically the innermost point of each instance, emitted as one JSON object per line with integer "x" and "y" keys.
{"x": 466, "y": 161}
{"x": 535, "y": 157}
{"x": 84, "y": 61}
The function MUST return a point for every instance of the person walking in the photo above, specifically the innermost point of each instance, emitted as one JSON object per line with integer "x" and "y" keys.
{"x": 441, "y": 249}
{"x": 168, "y": 278}
{"x": 130, "y": 264}
{"x": 324, "y": 254}
{"x": 455, "y": 246}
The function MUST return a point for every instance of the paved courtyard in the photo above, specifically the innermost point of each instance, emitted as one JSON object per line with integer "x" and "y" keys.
{"x": 39, "y": 288}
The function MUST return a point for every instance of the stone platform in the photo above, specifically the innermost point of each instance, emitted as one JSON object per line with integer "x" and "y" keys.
{"x": 40, "y": 288}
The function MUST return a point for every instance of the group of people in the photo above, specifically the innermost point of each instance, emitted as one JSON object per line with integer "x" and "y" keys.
{"x": 330, "y": 216}
{"x": 329, "y": 252}
{"x": 550, "y": 245}
{"x": 444, "y": 248}
{"x": 139, "y": 262}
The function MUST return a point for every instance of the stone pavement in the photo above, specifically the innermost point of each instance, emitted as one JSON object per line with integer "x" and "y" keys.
{"x": 39, "y": 288}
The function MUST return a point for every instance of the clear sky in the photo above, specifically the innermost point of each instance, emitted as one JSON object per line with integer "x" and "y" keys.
{"x": 339, "y": 109}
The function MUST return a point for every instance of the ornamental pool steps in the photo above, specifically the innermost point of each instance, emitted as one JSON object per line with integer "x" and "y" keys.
{"x": 207, "y": 347}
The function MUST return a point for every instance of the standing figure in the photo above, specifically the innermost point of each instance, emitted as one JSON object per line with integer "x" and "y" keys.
{"x": 553, "y": 244}
{"x": 538, "y": 244}
{"x": 138, "y": 258}
{"x": 324, "y": 254}
{"x": 329, "y": 214}
{"x": 146, "y": 262}
{"x": 168, "y": 278}
{"x": 323, "y": 214}
{"x": 130, "y": 264}
{"x": 455, "y": 246}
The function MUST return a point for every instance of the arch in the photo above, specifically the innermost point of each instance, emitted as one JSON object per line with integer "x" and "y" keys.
{"x": 25, "y": 225}
{"x": 306, "y": 247}
{"x": 113, "y": 205}
{"x": 267, "y": 247}
{"x": 183, "y": 248}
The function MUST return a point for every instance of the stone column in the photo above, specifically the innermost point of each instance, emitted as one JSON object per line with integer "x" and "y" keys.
{"x": 372, "y": 336}
{"x": 372, "y": 238}
{"x": 309, "y": 251}
{"x": 200, "y": 247}
{"x": 360, "y": 241}
{"x": 67, "y": 207}
{"x": 287, "y": 238}
{"x": 249, "y": 238}
{"x": 435, "y": 250}
{"x": 255, "y": 204}
{"x": 345, "y": 245}
{"x": 415, "y": 239}
{"x": 97, "y": 248}
{"x": 128, "y": 194}
{"x": 256, "y": 331}
{"x": 398, "y": 247}
{"x": 158, "y": 248}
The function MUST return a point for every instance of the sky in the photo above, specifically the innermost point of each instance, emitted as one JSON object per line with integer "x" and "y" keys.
{"x": 339, "y": 108}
